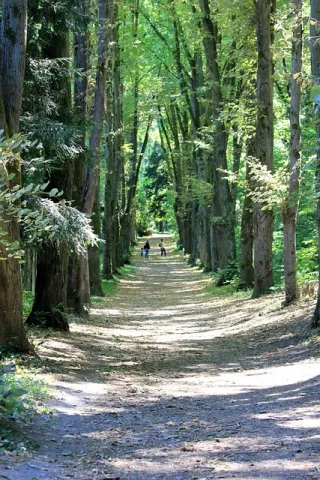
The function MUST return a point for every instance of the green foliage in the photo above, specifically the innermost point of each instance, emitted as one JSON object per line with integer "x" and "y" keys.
{"x": 228, "y": 275}
{"x": 126, "y": 258}
{"x": 201, "y": 191}
{"x": 109, "y": 287}
{"x": 155, "y": 199}
{"x": 149, "y": 60}
{"x": 20, "y": 393}
{"x": 315, "y": 92}
{"x": 21, "y": 396}
{"x": 27, "y": 303}
{"x": 42, "y": 219}
{"x": 143, "y": 217}
{"x": 50, "y": 221}
{"x": 228, "y": 290}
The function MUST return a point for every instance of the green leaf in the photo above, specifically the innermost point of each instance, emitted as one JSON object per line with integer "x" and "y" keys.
{"x": 53, "y": 192}
{"x": 314, "y": 92}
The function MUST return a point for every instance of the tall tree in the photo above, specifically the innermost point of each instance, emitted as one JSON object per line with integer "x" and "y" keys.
{"x": 12, "y": 64}
{"x": 89, "y": 170}
{"x": 246, "y": 236}
{"x": 135, "y": 159}
{"x": 114, "y": 154}
{"x": 94, "y": 251}
{"x": 92, "y": 168}
{"x": 290, "y": 208}
{"x": 263, "y": 217}
{"x": 50, "y": 303}
{"x": 223, "y": 227}
{"x": 78, "y": 281}
{"x": 315, "y": 67}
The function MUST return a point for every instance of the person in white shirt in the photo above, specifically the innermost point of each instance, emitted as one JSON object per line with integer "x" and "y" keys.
{"x": 162, "y": 248}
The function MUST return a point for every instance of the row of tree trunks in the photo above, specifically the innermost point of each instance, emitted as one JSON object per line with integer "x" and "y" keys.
{"x": 76, "y": 178}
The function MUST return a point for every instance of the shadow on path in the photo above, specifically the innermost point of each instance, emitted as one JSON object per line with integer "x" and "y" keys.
{"x": 167, "y": 382}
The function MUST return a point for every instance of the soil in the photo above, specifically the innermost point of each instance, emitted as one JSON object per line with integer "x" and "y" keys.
{"x": 167, "y": 381}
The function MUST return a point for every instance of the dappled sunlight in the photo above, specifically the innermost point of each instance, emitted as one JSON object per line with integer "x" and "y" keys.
{"x": 167, "y": 381}
{"x": 220, "y": 382}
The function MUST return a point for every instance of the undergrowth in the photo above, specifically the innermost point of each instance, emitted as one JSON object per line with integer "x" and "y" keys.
{"x": 109, "y": 287}
{"x": 27, "y": 302}
{"x": 228, "y": 290}
{"x": 22, "y": 395}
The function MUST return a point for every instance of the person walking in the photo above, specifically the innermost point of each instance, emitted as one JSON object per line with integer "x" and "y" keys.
{"x": 162, "y": 248}
{"x": 146, "y": 249}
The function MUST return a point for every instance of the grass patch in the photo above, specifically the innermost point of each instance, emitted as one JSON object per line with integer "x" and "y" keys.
{"x": 228, "y": 290}
{"x": 27, "y": 302}
{"x": 126, "y": 270}
{"x": 109, "y": 287}
{"x": 22, "y": 396}
{"x": 315, "y": 338}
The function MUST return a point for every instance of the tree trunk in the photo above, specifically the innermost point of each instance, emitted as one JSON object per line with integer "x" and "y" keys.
{"x": 12, "y": 63}
{"x": 246, "y": 235}
{"x": 92, "y": 168}
{"x": 78, "y": 280}
{"x": 94, "y": 252}
{"x": 114, "y": 163}
{"x": 50, "y": 303}
{"x": 237, "y": 152}
{"x": 263, "y": 219}
{"x": 290, "y": 208}
{"x": 29, "y": 269}
{"x": 315, "y": 66}
{"x": 223, "y": 227}
{"x": 128, "y": 218}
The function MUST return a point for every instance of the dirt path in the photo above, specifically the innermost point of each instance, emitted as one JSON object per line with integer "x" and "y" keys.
{"x": 167, "y": 382}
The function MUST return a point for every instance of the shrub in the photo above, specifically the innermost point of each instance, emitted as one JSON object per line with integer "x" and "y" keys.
{"x": 19, "y": 392}
{"x": 228, "y": 275}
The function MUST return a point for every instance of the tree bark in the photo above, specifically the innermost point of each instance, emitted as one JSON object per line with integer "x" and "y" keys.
{"x": 92, "y": 168}
{"x": 78, "y": 279}
{"x": 223, "y": 227}
{"x": 114, "y": 156}
{"x": 246, "y": 235}
{"x": 50, "y": 303}
{"x": 315, "y": 67}
{"x": 12, "y": 63}
{"x": 128, "y": 234}
{"x": 108, "y": 227}
{"x": 94, "y": 252}
{"x": 49, "y": 308}
{"x": 263, "y": 219}
{"x": 290, "y": 208}
{"x": 135, "y": 160}
{"x": 90, "y": 189}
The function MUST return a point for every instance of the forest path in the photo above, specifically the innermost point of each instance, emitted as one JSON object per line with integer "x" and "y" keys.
{"x": 166, "y": 381}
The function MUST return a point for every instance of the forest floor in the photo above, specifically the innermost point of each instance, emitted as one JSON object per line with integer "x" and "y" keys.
{"x": 167, "y": 381}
